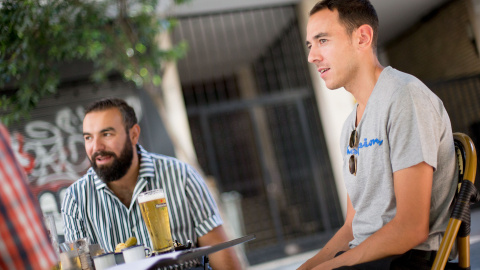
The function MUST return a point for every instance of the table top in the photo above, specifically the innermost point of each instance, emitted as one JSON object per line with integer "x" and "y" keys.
{"x": 180, "y": 257}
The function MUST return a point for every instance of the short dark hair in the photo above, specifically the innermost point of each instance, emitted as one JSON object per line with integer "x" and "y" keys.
{"x": 128, "y": 114}
{"x": 352, "y": 14}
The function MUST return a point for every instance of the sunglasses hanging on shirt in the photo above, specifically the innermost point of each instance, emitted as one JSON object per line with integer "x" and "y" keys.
{"x": 353, "y": 143}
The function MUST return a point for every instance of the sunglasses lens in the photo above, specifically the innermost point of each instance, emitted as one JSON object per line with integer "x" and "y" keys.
{"x": 352, "y": 165}
{"x": 353, "y": 139}
{"x": 353, "y": 143}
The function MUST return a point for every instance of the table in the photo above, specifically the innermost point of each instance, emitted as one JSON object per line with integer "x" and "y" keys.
{"x": 180, "y": 257}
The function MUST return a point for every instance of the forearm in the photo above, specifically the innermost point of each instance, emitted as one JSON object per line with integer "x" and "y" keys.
{"x": 406, "y": 230}
{"x": 225, "y": 259}
{"x": 393, "y": 239}
{"x": 339, "y": 242}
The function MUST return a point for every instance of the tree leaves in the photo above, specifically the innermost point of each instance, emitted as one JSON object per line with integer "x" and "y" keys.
{"x": 36, "y": 37}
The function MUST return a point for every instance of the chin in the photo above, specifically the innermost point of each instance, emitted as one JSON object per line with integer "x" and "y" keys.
{"x": 333, "y": 86}
{"x": 330, "y": 87}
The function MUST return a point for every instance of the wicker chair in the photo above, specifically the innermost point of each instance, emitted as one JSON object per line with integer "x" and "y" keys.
{"x": 459, "y": 224}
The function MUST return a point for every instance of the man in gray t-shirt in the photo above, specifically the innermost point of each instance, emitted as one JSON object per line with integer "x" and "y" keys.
{"x": 403, "y": 124}
{"x": 397, "y": 147}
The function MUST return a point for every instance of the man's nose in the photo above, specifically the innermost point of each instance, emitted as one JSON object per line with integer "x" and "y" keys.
{"x": 314, "y": 55}
{"x": 97, "y": 145}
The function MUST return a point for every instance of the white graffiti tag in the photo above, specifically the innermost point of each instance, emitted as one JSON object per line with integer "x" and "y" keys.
{"x": 58, "y": 149}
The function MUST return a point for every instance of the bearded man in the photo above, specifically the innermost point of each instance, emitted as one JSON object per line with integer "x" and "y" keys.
{"x": 102, "y": 204}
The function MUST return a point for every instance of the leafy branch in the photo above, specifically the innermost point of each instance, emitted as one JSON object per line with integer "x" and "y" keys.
{"x": 37, "y": 36}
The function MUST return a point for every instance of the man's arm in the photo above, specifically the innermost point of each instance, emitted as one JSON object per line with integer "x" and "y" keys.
{"x": 339, "y": 241}
{"x": 223, "y": 259}
{"x": 409, "y": 227}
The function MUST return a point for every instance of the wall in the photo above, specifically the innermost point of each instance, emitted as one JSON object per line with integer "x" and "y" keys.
{"x": 441, "y": 46}
{"x": 473, "y": 7}
{"x": 175, "y": 108}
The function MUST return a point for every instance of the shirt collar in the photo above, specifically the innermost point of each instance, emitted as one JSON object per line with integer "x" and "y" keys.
{"x": 147, "y": 169}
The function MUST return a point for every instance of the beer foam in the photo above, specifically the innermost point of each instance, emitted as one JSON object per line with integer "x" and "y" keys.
{"x": 151, "y": 195}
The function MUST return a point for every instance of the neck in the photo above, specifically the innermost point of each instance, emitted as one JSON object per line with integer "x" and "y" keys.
{"x": 123, "y": 188}
{"x": 364, "y": 82}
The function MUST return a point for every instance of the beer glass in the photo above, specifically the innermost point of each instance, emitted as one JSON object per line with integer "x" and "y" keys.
{"x": 153, "y": 206}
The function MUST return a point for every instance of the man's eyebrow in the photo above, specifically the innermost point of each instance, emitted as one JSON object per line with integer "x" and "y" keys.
{"x": 107, "y": 129}
{"x": 101, "y": 131}
{"x": 319, "y": 35}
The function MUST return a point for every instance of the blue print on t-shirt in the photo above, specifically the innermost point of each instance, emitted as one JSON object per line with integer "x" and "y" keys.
{"x": 365, "y": 143}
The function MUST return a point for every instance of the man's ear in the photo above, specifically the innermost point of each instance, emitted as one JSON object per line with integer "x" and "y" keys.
{"x": 364, "y": 36}
{"x": 135, "y": 134}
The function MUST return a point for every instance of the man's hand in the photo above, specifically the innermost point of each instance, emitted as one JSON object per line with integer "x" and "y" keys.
{"x": 223, "y": 259}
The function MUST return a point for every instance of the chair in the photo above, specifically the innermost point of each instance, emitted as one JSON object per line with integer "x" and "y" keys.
{"x": 459, "y": 224}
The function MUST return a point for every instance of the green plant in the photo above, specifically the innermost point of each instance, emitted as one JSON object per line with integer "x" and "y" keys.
{"x": 37, "y": 36}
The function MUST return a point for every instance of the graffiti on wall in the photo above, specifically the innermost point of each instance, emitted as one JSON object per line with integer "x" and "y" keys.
{"x": 57, "y": 147}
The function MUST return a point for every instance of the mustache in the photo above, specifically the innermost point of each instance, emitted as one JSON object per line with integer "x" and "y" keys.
{"x": 102, "y": 153}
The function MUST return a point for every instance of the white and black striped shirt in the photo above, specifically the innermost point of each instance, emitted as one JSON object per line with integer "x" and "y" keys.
{"x": 90, "y": 209}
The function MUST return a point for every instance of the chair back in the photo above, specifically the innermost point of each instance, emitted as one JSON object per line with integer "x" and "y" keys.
{"x": 458, "y": 227}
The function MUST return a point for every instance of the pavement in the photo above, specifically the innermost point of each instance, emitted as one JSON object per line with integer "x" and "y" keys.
{"x": 293, "y": 262}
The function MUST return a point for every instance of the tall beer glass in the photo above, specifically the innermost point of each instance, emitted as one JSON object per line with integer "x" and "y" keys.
{"x": 153, "y": 206}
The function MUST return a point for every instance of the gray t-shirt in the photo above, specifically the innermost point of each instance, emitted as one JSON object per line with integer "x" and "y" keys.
{"x": 404, "y": 124}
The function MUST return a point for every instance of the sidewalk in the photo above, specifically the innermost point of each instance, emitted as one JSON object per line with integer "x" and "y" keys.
{"x": 293, "y": 262}
{"x": 475, "y": 240}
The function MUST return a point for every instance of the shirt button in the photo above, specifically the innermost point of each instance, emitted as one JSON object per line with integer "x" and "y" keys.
{"x": 134, "y": 229}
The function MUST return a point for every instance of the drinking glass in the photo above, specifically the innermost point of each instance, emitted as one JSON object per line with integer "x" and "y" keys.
{"x": 153, "y": 206}
{"x": 49, "y": 221}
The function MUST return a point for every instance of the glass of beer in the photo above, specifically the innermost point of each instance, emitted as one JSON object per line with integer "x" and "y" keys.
{"x": 153, "y": 206}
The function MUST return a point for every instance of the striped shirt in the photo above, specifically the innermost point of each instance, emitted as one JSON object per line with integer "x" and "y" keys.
{"x": 24, "y": 243}
{"x": 90, "y": 209}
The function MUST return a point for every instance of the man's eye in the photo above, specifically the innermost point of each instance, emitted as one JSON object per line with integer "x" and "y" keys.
{"x": 322, "y": 41}
{"x": 86, "y": 138}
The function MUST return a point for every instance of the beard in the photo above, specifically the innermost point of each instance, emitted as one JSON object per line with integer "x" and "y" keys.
{"x": 119, "y": 167}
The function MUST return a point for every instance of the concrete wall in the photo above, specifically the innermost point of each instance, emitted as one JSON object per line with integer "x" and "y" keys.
{"x": 473, "y": 7}
{"x": 444, "y": 45}
{"x": 175, "y": 108}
